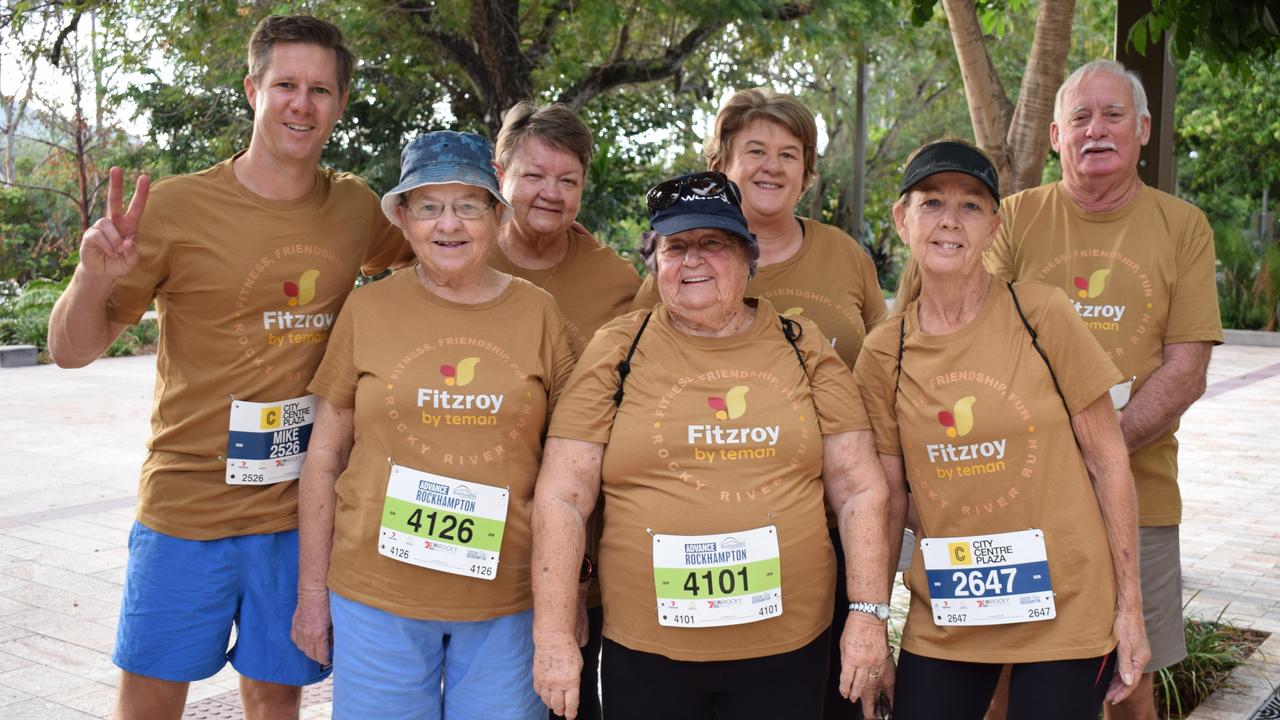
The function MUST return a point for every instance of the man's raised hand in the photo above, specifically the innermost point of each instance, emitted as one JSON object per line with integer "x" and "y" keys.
{"x": 108, "y": 248}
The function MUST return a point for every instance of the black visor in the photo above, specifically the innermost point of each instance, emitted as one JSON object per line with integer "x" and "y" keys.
{"x": 947, "y": 156}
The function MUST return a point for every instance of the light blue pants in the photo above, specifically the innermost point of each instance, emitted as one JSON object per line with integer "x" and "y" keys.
{"x": 387, "y": 666}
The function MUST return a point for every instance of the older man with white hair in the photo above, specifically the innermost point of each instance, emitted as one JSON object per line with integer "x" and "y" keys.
{"x": 1138, "y": 264}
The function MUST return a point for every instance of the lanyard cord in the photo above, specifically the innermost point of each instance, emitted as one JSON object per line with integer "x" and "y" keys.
{"x": 791, "y": 330}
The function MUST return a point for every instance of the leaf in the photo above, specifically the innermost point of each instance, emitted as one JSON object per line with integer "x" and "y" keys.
{"x": 1138, "y": 35}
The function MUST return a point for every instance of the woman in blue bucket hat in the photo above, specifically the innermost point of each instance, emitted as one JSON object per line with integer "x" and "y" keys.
{"x": 415, "y": 498}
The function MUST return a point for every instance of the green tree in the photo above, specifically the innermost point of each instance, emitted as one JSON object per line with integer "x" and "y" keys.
{"x": 1228, "y": 139}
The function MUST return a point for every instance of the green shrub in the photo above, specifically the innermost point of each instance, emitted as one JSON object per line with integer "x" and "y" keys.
{"x": 1248, "y": 279}
{"x": 24, "y": 312}
{"x": 1213, "y": 650}
{"x": 135, "y": 340}
{"x": 24, "y": 319}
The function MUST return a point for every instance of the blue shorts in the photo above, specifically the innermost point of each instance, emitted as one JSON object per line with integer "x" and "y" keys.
{"x": 387, "y": 666}
{"x": 182, "y": 597}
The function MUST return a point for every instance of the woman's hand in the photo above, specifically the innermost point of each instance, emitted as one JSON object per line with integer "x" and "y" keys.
{"x": 1132, "y": 654}
{"x": 557, "y": 672}
{"x": 864, "y": 653}
{"x": 311, "y": 626}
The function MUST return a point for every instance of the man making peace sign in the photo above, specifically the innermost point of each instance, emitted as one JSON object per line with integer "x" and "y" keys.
{"x": 248, "y": 262}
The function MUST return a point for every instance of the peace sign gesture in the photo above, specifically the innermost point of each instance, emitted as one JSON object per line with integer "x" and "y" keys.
{"x": 108, "y": 249}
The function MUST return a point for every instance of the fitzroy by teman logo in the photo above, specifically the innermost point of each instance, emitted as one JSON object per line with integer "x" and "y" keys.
{"x": 732, "y": 406}
{"x": 304, "y": 291}
{"x": 1093, "y": 286}
{"x": 462, "y": 374}
{"x": 959, "y": 419}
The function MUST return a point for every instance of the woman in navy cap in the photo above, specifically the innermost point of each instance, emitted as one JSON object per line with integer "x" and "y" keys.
{"x": 435, "y": 392}
{"x": 712, "y": 425}
{"x": 990, "y": 400}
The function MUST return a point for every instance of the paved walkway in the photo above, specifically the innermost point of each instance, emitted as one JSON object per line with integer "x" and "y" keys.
{"x": 72, "y": 443}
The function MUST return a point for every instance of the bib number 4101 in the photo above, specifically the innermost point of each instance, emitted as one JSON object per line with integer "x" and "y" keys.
{"x": 726, "y": 581}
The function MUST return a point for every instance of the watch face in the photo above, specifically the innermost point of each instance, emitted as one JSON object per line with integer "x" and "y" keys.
{"x": 882, "y": 611}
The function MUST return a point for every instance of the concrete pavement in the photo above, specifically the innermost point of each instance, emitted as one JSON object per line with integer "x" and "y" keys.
{"x": 72, "y": 443}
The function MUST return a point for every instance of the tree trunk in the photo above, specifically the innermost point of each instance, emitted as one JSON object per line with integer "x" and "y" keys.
{"x": 1016, "y": 138}
{"x": 858, "y": 188}
{"x": 989, "y": 108}
{"x": 1029, "y": 131}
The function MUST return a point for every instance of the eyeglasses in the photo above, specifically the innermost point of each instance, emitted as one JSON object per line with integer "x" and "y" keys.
{"x": 706, "y": 184}
{"x": 462, "y": 209}
{"x": 676, "y": 249}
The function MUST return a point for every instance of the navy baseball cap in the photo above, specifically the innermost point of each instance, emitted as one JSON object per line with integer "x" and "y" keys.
{"x": 442, "y": 157}
{"x": 698, "y": 200}
{"x": 951, "y": 156}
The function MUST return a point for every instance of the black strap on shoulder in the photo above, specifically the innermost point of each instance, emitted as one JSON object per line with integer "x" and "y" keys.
{"x": 624, "y": 367}
{"x": 902, "y": 346}
{"x": 792, "y": 330}
{"x": 1035, "y": 343}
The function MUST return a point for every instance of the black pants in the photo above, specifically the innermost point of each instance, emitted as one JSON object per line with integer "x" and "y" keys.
{"x": 644, "y": 686}
{"x": 928, "y": 688}
{"x": 589, "y": 688}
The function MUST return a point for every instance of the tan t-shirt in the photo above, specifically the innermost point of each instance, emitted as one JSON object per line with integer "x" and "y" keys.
{"x": 1140, "y": 277}
{"x": 388, "y": 359}
{"x": 591, "y": 283}
{"x": 673, "y": 467}
{"x": 988, "y": 448}
{"x": 246, "y": 290}
{"x": 830, "y": 280}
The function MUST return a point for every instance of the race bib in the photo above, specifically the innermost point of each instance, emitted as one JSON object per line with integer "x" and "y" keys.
{"x": 444, "y": 524}
{"x": 715, "y": 580}
{"x": 989, "y": 579}
{"x": 267, "y": 442}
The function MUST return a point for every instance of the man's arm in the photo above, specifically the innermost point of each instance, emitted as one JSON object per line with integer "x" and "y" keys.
{"x": 79, "y": 328}
{"x": 1167, "y": 394}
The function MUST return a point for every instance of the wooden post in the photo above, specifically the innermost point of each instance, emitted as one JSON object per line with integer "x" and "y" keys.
{"x": 1157, "y": 165}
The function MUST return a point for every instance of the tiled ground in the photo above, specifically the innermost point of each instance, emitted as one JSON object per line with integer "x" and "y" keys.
{"x": 72, "y": 441}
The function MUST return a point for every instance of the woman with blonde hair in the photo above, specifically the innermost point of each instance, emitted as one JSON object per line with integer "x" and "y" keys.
{"x": 991, "y": 401}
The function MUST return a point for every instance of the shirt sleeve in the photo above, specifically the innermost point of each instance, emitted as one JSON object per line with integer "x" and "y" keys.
{"x": 647, "y": 296}
{"x": 386, "y": 241}
{"x": 999, "y": 257}
{"x": 585, "y": 410}
{"x": 335, "y": 379}
{"x": 1082, "y": 367}
{"x": 132, "y": 293}
{"x": 835, "y": 395}
{"x": 1193, "y": 309}
{"x": 562, "y": 357}
{"x": 877, "y": 396}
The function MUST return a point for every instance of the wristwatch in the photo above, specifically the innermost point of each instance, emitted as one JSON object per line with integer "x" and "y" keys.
{"x": 880, "y": 610}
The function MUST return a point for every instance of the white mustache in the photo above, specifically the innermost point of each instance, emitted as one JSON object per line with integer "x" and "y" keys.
{"x": 1101, "y": 145}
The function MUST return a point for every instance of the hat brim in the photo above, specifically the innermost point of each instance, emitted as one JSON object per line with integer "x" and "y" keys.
{"x": 935, "y": 168}
{"x": 695, "y": 221}
{"x": 444, "y": 174}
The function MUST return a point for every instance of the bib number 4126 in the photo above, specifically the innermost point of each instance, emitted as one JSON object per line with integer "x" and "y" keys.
{"x": 451, "y": 527}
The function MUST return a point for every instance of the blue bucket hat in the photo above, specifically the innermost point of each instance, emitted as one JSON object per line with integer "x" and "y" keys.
{"x": 698, "y": 200}
{"x": 441, "y": 157}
